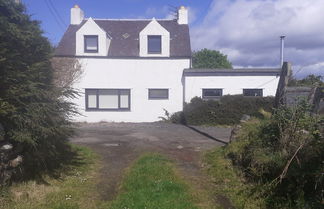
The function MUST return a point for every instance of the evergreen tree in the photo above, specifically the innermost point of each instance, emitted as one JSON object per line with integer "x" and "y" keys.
{"x": 33, "y": 112}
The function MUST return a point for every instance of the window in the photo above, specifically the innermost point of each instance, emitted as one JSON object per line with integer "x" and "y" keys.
{"x": 253, "y": 92}
{"x": 212, "y": 93}
{"x": 154, "y": 44}
{"x": 107, "y": 99}
{"x": 158, "y": 93}
{"x": 91, "y": 44}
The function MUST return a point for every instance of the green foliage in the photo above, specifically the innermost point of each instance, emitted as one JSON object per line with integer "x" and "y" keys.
{"x": 226, "y": 111}
{"x": 283, "y": 155}
{"x": 229, "y": 181}
{"x": 34, "y": 113}
{"x": 310, "y": 80}
{"x": 152, "y": 183}
{"x": 206, "y": 58}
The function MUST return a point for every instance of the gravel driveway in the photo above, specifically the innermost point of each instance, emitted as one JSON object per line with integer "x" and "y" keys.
{"x": 120, "y": 144}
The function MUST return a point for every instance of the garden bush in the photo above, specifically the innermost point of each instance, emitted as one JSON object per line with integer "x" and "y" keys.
{"x": 283, "y": 156}
{"x": 226, "y": 111}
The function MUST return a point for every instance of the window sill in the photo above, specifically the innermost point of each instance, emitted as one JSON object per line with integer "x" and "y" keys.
{"x": 107, "y": 110}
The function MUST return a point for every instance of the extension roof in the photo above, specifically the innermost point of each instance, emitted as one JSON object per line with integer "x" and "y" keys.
{"x": 232, "y": 72}
{"x": 125, "y": 37}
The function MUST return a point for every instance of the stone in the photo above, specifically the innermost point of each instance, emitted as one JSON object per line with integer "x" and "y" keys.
{"x": 6, "y": 147}
{"x": 180, "y": 147}
{"x": 16, "y": 162}
{"x": 245, "y": 118}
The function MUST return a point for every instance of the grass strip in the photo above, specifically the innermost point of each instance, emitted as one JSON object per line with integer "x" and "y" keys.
{"x": 151, "y": 183}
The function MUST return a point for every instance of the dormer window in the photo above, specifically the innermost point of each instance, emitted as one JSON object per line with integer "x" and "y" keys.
{"x": 154, "y": 44}
{"x": 91, "y": 44}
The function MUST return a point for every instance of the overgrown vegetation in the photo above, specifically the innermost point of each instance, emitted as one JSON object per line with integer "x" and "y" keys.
{"x": 207, "y": 58}
{"x": 282, "y": 157}
{"x": 74, "y": 187}
{"x": 310, "y": 81}
{"x": 226, "y": 111}
{"x": 152, "y": 183}
{"x": 229, "y": 182}
{"x": 33, "y": 112}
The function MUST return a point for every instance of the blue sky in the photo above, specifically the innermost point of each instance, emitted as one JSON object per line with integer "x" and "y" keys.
{"x": 105, "y": 9}
{"x": 246, "y": 30}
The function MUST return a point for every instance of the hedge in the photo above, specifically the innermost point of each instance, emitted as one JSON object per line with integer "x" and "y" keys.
{"x": 226, "y": 111}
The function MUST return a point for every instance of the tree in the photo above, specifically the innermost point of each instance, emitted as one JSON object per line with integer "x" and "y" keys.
{"x": 67, "y": 71}
{"x": 311, "y": 80}
{"x": 34, "y": 113}
{"x": 206, "y": 58}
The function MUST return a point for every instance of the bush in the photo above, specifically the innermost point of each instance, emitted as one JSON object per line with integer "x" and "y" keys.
{"x": 284, "y": 156}
{"x": 226, "y": 111}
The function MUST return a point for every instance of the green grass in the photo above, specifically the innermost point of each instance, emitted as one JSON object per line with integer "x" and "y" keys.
{"x": 230, "y": 183}
{"x": 151, "y": 183}
{"x": 74, "y": 189}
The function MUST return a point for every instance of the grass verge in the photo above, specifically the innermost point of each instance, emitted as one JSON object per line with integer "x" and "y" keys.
{"x": 229, "y": 182}
{"x": 73, "y": 189}
{"x": 152, "y": 183}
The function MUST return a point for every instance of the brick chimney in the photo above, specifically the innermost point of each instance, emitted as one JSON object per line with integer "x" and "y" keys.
{"x": 182, "y": 15}
{"x": 77, "y": 15}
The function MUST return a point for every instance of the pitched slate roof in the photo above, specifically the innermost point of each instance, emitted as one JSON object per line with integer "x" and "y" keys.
{"x": 125, "y": 37}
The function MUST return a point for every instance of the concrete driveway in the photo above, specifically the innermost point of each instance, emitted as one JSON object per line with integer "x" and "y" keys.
{"x": 120, "y": 144}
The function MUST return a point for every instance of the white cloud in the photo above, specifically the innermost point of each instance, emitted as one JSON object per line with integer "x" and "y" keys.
{"x": 248, "y": 31}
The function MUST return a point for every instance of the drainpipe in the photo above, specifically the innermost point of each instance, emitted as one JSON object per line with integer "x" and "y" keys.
{"x": 282, "y": 42}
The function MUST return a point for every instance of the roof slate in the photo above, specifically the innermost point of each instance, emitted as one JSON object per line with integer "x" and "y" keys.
{"x": 125, "y": 38}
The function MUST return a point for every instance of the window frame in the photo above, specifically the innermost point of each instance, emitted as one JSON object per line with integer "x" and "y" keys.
{"x": 148, "y": 44}
{"x": 87, "y": 108}
{"x": 85, "y": 43}
{"x": 158, "y": 98}
{"x": 244, "y": 90}
{"x": 211, "y": 97}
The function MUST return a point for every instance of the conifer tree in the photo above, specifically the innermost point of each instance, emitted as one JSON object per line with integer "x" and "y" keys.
{"x": 33, "y": 112}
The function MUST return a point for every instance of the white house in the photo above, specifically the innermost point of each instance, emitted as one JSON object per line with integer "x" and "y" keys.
{"x": 134, "y": 69}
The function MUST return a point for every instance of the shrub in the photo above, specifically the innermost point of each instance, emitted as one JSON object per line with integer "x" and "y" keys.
{"x": 226, "y": 111}
{"x": 283, "y": 154}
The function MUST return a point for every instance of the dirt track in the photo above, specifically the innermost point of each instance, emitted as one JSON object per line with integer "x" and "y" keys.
{"x": 120, "y": 144}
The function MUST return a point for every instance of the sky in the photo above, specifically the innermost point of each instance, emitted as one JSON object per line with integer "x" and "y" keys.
{"x": 247, "y": 31}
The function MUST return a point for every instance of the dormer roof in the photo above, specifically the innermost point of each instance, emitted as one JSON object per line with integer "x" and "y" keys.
{"x": 124, "y": 36}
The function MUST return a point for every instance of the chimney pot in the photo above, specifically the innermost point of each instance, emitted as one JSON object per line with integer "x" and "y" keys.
{"x": 282, "y": 46}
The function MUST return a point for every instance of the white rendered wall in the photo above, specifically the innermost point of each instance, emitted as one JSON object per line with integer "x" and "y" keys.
{"x": 138, "y": 75}
{"x": 230, "y": 84}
